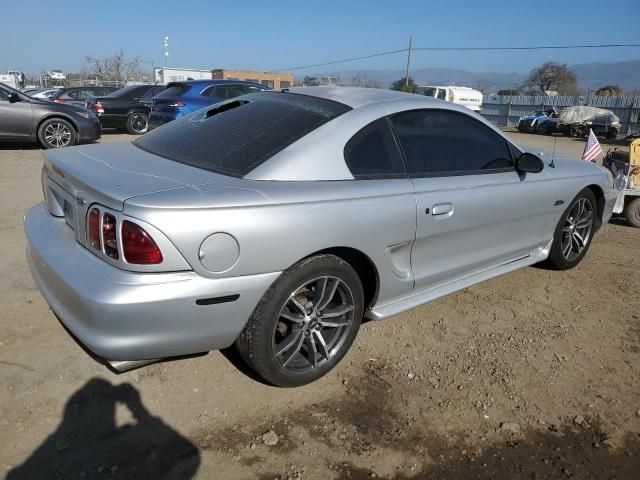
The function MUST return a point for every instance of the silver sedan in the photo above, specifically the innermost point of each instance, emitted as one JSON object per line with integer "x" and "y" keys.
{"x": 278, "y": 220}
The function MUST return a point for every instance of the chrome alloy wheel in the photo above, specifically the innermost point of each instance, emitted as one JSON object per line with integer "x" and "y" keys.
{"x": 313, "y": 324}
{"x": 57, "y": 135}
{"x": 577, "y": 229}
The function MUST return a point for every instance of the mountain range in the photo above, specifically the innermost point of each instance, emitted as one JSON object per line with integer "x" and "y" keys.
{"x": 590, "y": 76}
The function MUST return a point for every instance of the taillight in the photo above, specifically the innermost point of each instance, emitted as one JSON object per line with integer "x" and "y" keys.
{"x": 93, "y": 229}
{"x": 59, "y": 100}
{"x": 176, "y": 104}
{"x": 137, "y": 245}
{"x": 98, "y": 108}
{"x": 109, "y": 236}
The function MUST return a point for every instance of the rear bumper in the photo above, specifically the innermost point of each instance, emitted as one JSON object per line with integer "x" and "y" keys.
{"x": 157, "y": 120}
{"x": 121, "y": 315}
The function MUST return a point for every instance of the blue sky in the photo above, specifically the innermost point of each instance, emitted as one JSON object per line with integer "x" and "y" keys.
{"x": 271, "y": 35}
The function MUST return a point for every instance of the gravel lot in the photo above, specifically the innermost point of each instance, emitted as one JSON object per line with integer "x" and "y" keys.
{"x": 531, "y": 375}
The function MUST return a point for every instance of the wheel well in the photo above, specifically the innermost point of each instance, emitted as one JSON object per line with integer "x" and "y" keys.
{"x": 61, "y": 117}
{"x": 363, "y": 266}
{"x": 599, "y": 194}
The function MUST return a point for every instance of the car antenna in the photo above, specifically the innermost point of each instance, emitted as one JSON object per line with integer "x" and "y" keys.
{"x": 553, "y": 155}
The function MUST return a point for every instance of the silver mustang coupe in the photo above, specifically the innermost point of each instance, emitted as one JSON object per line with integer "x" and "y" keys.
{"x": 279, "y": 220}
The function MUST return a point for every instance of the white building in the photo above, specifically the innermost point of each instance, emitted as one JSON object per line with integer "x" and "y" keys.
{"x": 164, "y": 75}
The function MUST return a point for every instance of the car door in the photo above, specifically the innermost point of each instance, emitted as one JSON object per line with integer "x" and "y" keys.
{"x": 474, "y": 210}
{"x": 16, "y": 118}
{"x": 373, "y": 157}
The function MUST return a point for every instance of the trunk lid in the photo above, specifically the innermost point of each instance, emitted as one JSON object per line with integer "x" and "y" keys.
{"x": 110, "y": 174}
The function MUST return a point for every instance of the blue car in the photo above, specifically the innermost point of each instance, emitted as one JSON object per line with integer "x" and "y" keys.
{"x": 536, "y": 122}
{"x": 183, "y": 98}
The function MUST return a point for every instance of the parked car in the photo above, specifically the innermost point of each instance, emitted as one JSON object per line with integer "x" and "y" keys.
{"x": 278, "y": 220}
{"x": 43, "y": 93}
{"x": 576, "y": 122}
{"x": 27, "y": 119}
{"x": 127, "y": 109}
{"x": 532, "y": 121}
{"x": 78, "y": 95}
{"x": 183, "y": 98}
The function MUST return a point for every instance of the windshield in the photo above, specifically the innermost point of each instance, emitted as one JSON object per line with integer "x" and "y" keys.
{"x": 236, "y": 136}
{"x": 430, "y": 92}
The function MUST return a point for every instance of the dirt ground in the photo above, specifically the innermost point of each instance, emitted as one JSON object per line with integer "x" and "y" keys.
{"x": 533, "y": 375}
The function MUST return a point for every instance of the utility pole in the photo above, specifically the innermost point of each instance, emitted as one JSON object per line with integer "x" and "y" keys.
{"x": 406, "y": 77}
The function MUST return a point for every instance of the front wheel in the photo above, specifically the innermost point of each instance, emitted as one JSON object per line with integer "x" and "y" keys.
{"x": 574, "y": 232}
{"x": 56, "y": 133}
{"x": 305, "y": 323}
{"x": 138, "y": 123}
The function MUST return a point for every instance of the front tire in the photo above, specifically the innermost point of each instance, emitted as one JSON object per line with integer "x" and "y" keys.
{"x": 305, "y": 323}
{"x": 138, "y": 123}
{"x": 574, "y": 232}
{"x": 56, "y": 133}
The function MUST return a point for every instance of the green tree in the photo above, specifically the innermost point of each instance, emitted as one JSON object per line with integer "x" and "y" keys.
{"x": 310, "y": 81}
{"x": 403, "y": 85}
{"x": 609, "y": 91}
{"x": 552, "y": 76}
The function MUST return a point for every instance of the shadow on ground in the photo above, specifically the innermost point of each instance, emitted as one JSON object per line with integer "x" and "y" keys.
{"x": 89, "y": 443}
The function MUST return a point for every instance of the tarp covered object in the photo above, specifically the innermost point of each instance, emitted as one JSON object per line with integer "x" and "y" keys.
{"x": 600, "y": 116}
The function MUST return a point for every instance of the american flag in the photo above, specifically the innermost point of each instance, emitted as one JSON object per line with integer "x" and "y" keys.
{"x": 592, "y": 149}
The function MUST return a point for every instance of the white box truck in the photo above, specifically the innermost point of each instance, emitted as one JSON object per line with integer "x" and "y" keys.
{"x": 465, "y": 96}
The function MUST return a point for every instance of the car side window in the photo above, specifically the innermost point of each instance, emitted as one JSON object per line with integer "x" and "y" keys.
{"x": 372, "y": 153}
{"x": 72, "y": 94}
{"x": 225, "y": 92}
{"x": 444, "y": 142}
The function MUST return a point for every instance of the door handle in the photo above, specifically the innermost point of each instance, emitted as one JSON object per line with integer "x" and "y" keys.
{"x": 442, "y": 209}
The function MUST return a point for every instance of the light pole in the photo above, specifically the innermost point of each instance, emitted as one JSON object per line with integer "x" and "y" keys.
{"x": 166, "y": 50}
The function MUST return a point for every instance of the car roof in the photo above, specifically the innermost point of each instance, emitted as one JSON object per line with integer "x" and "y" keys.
{"x": 214, "y": 82}
{"x": 356, "y": 97}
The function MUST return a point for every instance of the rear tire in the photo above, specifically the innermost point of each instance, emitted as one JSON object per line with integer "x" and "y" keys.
{"x": 289, "y": 348}
{"x": 631, "y": 212}
{"x": 56, "y": 133}
{"x": 138, "y": 123}
{"x": 574, "y": 232}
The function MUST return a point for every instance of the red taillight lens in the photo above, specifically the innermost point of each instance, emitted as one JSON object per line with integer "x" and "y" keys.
{"x": 59, "y": 100}
{"x": 109, "y": 236}
{"x": 176, "y": 104}
{"x": 137, "y": 245}
{"x": 93, "y": 229}
{"x": 98, "y": 108}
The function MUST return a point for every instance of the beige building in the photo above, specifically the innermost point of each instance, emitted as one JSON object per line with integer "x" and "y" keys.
{"x": 273, "y": 80}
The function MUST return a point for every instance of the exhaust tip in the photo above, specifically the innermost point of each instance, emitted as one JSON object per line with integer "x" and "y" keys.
{"x": 122, "y": 366}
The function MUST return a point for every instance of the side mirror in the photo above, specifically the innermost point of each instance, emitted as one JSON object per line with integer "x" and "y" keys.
{"x": 14, "y": 97}
{"x": 529, "y": 163}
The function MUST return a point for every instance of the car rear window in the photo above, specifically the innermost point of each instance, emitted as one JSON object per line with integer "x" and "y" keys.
{"x": 236, "y": 136}
{"x": 174, "y": 90}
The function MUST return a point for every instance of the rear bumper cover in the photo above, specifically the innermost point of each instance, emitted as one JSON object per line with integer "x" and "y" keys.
{"x": 121, "y": 315}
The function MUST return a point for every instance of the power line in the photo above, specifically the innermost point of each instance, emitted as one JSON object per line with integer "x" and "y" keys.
{"x": 461, "y": 49}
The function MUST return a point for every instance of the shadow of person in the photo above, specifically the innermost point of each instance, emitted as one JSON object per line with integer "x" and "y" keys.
{"x": 89, "y": 444}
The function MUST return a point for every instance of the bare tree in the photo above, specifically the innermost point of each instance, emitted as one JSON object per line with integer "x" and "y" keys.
{"x": 362, "y": 79}
{"x": 113, "y": 68}
{"x": 552, "y": 76}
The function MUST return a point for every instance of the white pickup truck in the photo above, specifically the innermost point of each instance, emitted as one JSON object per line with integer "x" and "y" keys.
{"x": 465, "y": 96}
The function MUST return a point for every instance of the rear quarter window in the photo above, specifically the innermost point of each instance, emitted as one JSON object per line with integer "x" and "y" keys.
{"x": 175, "y": 90}
{"x": 236, "y": 136}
